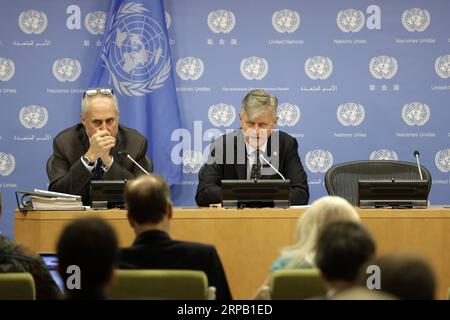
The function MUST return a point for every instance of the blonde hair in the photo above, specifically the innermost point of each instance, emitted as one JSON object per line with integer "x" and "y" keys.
{"x": 258, "y": 101}
{"x": 322, "y": 212}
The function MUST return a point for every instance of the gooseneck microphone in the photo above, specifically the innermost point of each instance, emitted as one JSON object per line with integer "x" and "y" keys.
{"x": 276, "y": 170}
{"x": 416, "y": 155}
{"x": 134, "y": 161}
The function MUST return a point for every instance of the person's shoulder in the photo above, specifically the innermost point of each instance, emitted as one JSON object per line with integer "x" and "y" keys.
{"x": 286, "y": 136}
{"x": 197, "y": 246}
{"x": 130, "y": 132}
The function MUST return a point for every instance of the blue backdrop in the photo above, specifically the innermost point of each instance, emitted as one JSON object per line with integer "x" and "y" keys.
{"x": 355, "y": 80}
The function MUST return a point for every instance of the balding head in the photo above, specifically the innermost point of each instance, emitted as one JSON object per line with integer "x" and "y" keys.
{"x": 147, "y": 199}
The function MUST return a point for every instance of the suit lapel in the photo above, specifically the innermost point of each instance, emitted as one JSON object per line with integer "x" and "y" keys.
{"x": 241, "y": 169}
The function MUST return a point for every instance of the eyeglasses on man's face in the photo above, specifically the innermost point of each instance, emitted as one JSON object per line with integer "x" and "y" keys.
{"x": 93, "y": 92}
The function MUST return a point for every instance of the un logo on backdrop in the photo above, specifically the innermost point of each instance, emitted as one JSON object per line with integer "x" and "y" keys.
{"x": 288, "y": 115}
{"x": 95, "y": 22}
{"x": 221, "y": 21}
{"x": 254, "y": 68}
{"x": 136, "y": 54}
{"x": 33, "y": 21}
{"x": 319, "y": 160}
{"x": 286, "y": 20}
{"x": 192, "y": 161}
{"x": 66, "y": 69}
{"x": 383, "y": 154}
{"x": 350, "y": 114}
{"x": 189, "y": 68}
{"x": 33, "y": 116}
{"x": 383, "y": 67}
{"x": 416, "y": 19}
{"x": 442, "y": 66}
{"x": 318, "y": 67}
{"x": 350, "y": 20}
{"x": 221, "y": 114}
{"x": 442, "y": 160}
{"x": 415, "y": 114}
{"x": 7, "y": 69}
{"x": 7, "y": 163}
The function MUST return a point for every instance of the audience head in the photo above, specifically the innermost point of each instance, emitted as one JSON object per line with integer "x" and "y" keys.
{"x": 147, "y": 200}
{"x": 91, "y": 245}
{"x": 404, "y": 275}
{"x": 342, "y": 248}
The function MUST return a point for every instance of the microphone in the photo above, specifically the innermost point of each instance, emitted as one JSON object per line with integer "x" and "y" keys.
{"x": 276, "y": 170}
{"x": 134, "y": 161}
{"x": 416, "y": 155}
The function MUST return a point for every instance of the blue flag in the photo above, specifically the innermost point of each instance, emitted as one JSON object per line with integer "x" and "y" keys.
{"x": 135, "y": 60}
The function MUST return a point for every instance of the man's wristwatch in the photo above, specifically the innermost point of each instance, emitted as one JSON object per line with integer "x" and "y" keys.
{"x": 87, "y": 161}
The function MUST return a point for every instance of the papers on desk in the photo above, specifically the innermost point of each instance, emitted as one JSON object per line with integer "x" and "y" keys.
{"x": 47, "y": 200}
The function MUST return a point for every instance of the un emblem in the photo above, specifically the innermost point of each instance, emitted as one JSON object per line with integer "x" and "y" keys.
{"x": 221, "y": 115}
{"x": 286, "y": 20}
{"x": 254, "y": 68}
{"x": 95, "y": 22}
{"x": 33, "y": 21}
{"x": 221, "y": 21}
{"x": 442, "y": 66}
{"x": 416, "y": 19}
{"x": 319, "y": 160}
{"x": 442, "y": 160}
{"x": 7, "y": 69}
{"x": 136, "y": 54}
{"x": 7, "y": 163}
{"x": 168, "y": 19}
{"x": 415, "y": 114}
{"x": 318, "y": 67}
{"x": 33, "y": 116}
{"x": 192, "y": 161}
{"x": 190, "y": 68}
{"x": 350, "y": 20}
{"x": 66, "y": 69}
{"x": 350, "y": 114}
{"x": 288, "y": 115}
{"x": 383, "y": 67}
{"x": 383, "y": 154}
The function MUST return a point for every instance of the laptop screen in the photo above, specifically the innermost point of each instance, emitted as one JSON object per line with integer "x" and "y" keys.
{"x": 51, "y": 261}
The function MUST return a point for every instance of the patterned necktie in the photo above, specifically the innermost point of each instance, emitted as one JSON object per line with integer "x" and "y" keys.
{"x": 97, "y": 172}
{"x": 256, "y": 168}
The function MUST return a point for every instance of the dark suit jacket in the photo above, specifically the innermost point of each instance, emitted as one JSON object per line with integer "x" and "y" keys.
{"x": 68, "y": 174}
{"x": 232, "y": 164}
{"x": 156, "y": 250}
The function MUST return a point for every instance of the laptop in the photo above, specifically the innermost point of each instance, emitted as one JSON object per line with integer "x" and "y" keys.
{"x": 51, "y": 261}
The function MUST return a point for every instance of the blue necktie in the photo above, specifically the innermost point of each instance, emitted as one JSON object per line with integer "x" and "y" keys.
{"x": 97, "y": 172}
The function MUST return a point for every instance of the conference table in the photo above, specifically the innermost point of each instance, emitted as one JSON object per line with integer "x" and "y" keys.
{"x": 248, "y": 240}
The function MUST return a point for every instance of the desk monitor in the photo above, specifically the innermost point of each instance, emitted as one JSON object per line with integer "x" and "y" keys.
{"x": 393, "y": 193}
{"x": 107, "y": 194}
{"x": 256, "y": 194}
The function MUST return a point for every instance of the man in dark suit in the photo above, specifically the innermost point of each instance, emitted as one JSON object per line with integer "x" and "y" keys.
{"x": 149, "y": 214}
{"x": 89, "y": 150}
{"x": 247, "y": 152}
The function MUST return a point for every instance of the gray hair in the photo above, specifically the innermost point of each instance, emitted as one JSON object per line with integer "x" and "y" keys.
{"x": 258, "y": 101}
{"x": 84, "y": 103}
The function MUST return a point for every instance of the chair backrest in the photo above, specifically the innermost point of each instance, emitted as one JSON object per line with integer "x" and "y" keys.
{"x": 342, "y": 179}
{"x": 149, "y": 164}
{"x": 296, "y": 284}
{"x": 160, "y": 284}
{"x": 48, "y": 166}
{"x": 17, "y": 286}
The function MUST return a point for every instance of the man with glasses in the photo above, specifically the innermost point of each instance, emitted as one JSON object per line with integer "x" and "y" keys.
{"x": 94, "y": 149}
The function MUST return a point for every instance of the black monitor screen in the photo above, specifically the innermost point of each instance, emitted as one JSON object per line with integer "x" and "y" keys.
{"x": 107, "y": 194}
{"x": 251, "y": 194}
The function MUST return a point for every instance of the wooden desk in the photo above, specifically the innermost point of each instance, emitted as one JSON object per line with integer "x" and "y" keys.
{"x": 249, "y": 240}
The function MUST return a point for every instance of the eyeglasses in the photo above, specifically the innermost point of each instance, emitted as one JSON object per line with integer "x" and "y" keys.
{"x": 93, "y": 92}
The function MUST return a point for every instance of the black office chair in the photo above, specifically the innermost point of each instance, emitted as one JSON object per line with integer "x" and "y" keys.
{"x": 342, "y": 179}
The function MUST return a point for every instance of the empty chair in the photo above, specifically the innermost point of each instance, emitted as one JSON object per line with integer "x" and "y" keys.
{"x": 296, "y": 284}
{"x": 342, "y": 179}
{"x": 17, "y": 286}
{"x": 160, "y": 284}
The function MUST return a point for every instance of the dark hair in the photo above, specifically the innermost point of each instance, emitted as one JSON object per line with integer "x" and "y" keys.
{"x": 147, "y": 198}
{"x": 90, "y": 244}
{"x": 406, "y": 276}
{"x": 342, "y": 248}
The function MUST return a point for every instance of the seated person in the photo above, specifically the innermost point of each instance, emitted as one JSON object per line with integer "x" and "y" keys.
{"x": 90, "y": 244}
{"x": 149, "y": 208}
{"x": 244, "y": 153}
{"x": 89, "y": 150}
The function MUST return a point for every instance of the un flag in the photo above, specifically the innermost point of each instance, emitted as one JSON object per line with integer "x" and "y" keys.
{"x": 135, "y": 60}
